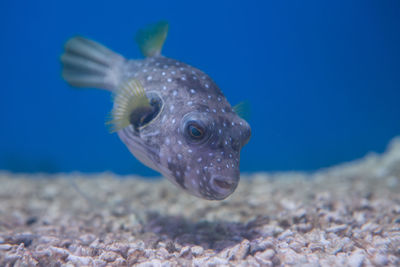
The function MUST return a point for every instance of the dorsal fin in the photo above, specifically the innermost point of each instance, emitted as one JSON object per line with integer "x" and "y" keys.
{"x": 130, "y": 98}
{"x": 151, "y": 38}
{"x": 243, "y": 110}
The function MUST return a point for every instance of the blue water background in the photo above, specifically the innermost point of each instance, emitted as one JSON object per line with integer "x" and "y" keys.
{"x": 322, "y": 77}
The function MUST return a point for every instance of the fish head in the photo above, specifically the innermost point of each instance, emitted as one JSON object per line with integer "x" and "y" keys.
{"x": 202, "y": 137}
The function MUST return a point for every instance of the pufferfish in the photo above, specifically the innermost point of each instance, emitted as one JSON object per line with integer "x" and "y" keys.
{"x": 171, "y": 116}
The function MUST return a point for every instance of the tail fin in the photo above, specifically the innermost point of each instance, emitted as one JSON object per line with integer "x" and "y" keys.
{"x": 90, "y": 64}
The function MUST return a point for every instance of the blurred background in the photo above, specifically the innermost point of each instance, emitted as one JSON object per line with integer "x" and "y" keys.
{"x": 322, "y": 77}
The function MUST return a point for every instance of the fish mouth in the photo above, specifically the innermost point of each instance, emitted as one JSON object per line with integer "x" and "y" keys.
{"x": 223, "y": 186}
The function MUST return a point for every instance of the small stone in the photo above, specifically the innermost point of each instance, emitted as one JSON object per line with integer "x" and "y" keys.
{"x": 87, "y": 239}
{"x": 109, "y": 256}
{"x": 162, "y": 253}
{"x": 5, "y": 247}
{"x": 356, "y": 259}
{"x": 263, "y": 261}
{"x": 267, "y": 255}
{"x": 216, "y": 261}
{"x": 380, "y": 260}
{"x": 185, "y": 251}
{"x": 197, "y": 250}
{"x": 79, "y": 260}
{"x": 243, "y": 250}
{"x": 99, "y": 263}
{"x": 337, "y": 228}
{"x": 285, "y": 234}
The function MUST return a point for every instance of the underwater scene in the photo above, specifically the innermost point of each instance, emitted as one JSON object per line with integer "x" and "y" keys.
{"x": 212, "y": 133}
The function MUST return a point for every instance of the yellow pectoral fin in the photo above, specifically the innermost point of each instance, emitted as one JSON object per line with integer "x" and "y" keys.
{"x": 130, "y": 98}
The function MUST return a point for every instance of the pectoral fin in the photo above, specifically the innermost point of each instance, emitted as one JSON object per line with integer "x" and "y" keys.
{"x": 243, "y": 110}
{"x": 131, "y": 105}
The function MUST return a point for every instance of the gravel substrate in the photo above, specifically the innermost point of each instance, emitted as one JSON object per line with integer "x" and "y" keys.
{"x": 348, "y": 215}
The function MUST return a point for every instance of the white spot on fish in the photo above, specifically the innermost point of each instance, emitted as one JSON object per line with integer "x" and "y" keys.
{"x": 190, "y": 103}
{"x": 219, "y": 99}
{"x": 198, "y": 171}
{"x": 179, "y": 156}
{"x": 173, "y": 72}
{"x": 199, "y": 159}
{"x": 206, "y": 85}
{"x": 167, "y": 141}
{"x": 192, "y": 91}
{"x": 149, "y": 78}
{"x": 169, "y": 80}
{"x": 173, "y": 121}
{"x": 163, "y": 73}
{"x": 171, "y": 108}
{"x": 164, "y": 88}
{"x": 183, "y": 78}
{"x": 190, "y": 151}
{"x": 174, "y": 93}
{"x": 179, "y": 142}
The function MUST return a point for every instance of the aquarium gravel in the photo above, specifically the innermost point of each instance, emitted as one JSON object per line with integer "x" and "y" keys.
{"x": 348, "y": 215}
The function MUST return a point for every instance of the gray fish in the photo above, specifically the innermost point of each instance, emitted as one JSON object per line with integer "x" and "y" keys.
{"x": 171, "y": 116}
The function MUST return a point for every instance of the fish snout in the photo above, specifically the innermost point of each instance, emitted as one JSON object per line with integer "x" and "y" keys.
{"x": 223, "y": 186}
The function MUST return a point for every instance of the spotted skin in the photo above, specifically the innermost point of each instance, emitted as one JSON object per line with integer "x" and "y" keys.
{"x": 187, "y": 91}
{"x": 206, "y": 165}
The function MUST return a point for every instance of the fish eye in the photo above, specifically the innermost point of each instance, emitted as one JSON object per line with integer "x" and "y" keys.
{"x": 195, "y": 131}
{"x": 195, "y": 128}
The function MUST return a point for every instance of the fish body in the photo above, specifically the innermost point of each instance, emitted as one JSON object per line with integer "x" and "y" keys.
{"x": 171, "y": 116}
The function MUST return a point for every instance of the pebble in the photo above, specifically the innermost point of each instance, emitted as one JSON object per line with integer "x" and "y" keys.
{"x": 197, "y": 251}
{"x": 341, "y": 216}
{"x": 356, "y": 259}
